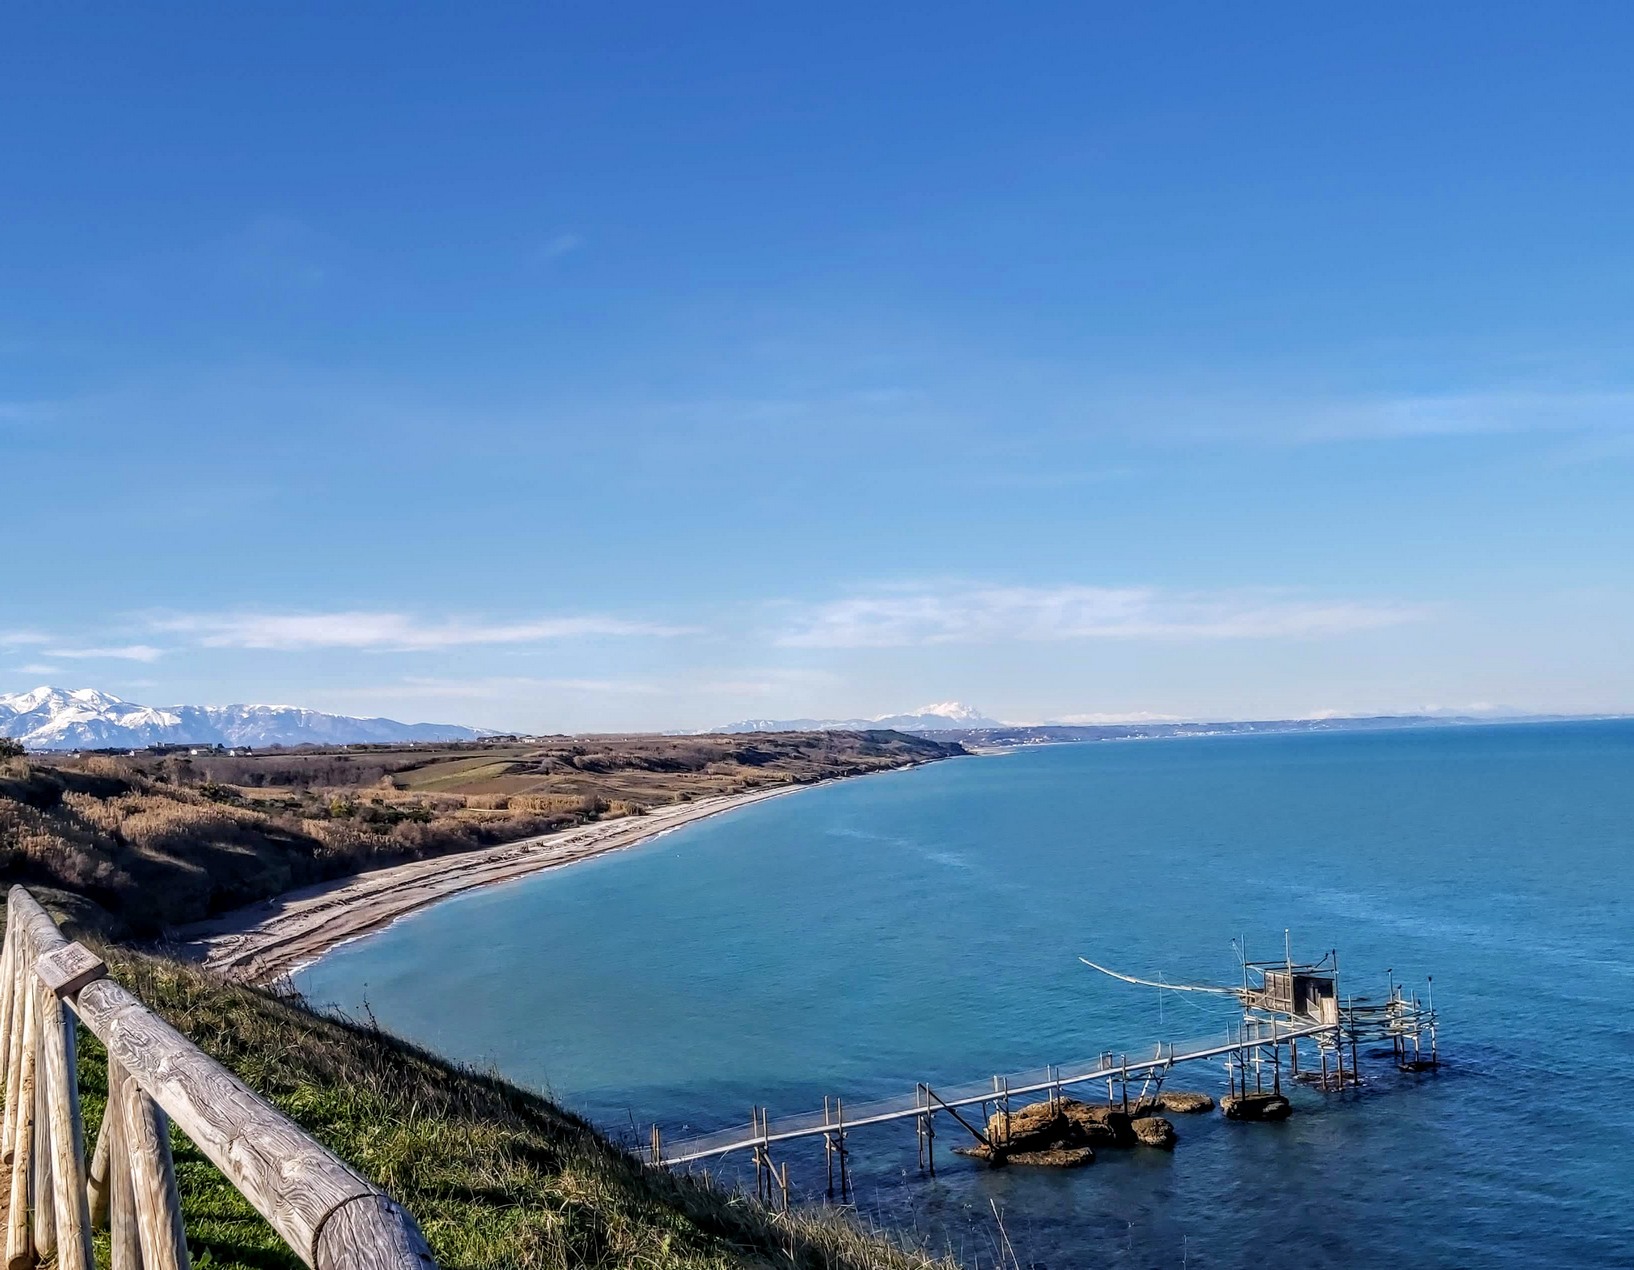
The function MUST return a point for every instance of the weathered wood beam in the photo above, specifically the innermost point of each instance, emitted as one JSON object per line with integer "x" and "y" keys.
{"x": 42, "y": 1194}
{"x": 19, "y": 1234}
{"x": 152, "y": 1173}
{"x": 99, "y": 1178}
{"x": 289, "y": 1178}
{"x": 331, "y": 1216}
{"x": 14, "y": 1040}
{"x": 124, "y": 1238}
{"x": 8, "y": 977}
{"x": 73, "y": 1215}
{"x": 69, "y": 968}
{"x": 372, "y": 1232}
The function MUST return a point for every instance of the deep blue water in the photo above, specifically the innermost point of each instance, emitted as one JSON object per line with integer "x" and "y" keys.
{"x": 926, "y": 925}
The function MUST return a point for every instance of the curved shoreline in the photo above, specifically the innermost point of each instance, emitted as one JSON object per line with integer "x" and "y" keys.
{"x": 273, "y": 938}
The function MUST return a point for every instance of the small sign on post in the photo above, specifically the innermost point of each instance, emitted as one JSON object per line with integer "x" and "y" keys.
{"x": 69, "y": 969}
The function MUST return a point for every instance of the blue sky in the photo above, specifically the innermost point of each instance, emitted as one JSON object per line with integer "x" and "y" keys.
{"x": 618, "y": 366}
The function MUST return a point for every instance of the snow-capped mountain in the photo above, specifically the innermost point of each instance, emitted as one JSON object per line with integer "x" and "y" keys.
{"x": 60, "y": 719}
{"x": 943, "y": 716}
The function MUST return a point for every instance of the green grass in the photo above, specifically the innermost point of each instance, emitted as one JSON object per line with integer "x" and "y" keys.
{"x": 459, "y": 773}
{"x": 495, "y": 1175}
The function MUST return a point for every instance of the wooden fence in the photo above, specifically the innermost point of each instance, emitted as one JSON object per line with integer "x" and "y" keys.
{"x": 333, "y": 1218}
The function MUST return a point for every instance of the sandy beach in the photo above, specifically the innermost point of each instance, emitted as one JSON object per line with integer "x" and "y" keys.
{"x": 272, "y": 938}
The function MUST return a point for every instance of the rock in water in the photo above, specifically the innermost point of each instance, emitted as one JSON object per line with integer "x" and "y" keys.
{"x": 1065, "y": 1134}
{"x": 1256, "y": 1107}
{"x": 1180, "y": 1102}
{"x": 1054, "y": 1158}
{"x": 1184, "y": 1102}
{"x": 1155, "y": 1131}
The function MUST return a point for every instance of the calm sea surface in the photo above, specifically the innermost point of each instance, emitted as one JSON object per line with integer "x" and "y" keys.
{"x": 927, "y": 925}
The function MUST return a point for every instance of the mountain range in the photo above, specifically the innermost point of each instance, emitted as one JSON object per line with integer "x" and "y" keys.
{"x": 62, "y": 719}
{"x": 943, "y": 716}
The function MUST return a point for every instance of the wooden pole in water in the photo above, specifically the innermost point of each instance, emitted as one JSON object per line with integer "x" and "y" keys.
{"x": 828, "y": 1146}
{"x": 845, "y": 1169}
{"x": 919, "y": 1123}
{"x": 758, "y": 1156}
{"x": 766, "y": 1153}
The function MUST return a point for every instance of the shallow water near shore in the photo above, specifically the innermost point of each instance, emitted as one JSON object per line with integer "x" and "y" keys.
{"x": 926, "y": 925}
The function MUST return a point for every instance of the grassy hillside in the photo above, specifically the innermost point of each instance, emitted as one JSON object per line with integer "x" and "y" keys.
{"x": 140, "y": 843}
{"x": 497, "y": 1177}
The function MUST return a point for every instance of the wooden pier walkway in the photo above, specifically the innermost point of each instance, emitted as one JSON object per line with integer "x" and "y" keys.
{"x": 837, "y": 1118}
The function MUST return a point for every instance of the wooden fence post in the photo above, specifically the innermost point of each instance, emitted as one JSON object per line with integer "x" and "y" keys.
{"x": 328, "y": 1214}
{"x": 124, "y": 1238}
{"x": 98, "y": 1181}
{"x": 14, "y": 1039}
{"x": 8, "y": 965}
{"x": 73, "y": 1216}
{"x": 153, "y": 1181}
{"x": 19, "y": 1237}
{"x": 42, "y": 1194}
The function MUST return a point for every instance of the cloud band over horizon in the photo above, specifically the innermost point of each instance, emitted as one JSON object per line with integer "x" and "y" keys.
{"x": 915, "y": 615}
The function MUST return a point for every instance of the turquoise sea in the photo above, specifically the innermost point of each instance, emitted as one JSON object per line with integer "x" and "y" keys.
{"x": 926, "y": 925}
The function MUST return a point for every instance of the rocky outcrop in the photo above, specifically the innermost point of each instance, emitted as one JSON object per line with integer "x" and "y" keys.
{"x": 1256, "y": 1107}
{"x": 1066, "y": 1134}
{"x": 1052, "y": 1158}
{"x": 1179, "y": 1102}
{"x": 1155, "y": 1131}
{"x": 1185, "y": 1102}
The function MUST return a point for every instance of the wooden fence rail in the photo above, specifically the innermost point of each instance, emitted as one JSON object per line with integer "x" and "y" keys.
{"x": 332, "y": 1217}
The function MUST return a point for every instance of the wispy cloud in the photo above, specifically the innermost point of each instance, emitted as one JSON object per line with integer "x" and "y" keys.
{"x": 388, "y": 632}
{"x": 1230, "y": 413}
{"x": 965, "y": 614}
{"x": 20, "y": 639}
{"x": 556, "y": 247}
{"x": 122, "y": 652}
{"x": 37, "y": 668}
{"x": 1465, "y": 414}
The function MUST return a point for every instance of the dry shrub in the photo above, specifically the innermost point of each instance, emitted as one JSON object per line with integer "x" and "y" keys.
{"x": 553, "y": 803}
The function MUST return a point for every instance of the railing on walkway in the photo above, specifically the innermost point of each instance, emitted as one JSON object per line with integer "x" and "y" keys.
{"x": 837, "y": 1117}
{"x": 329, "y": 1215}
